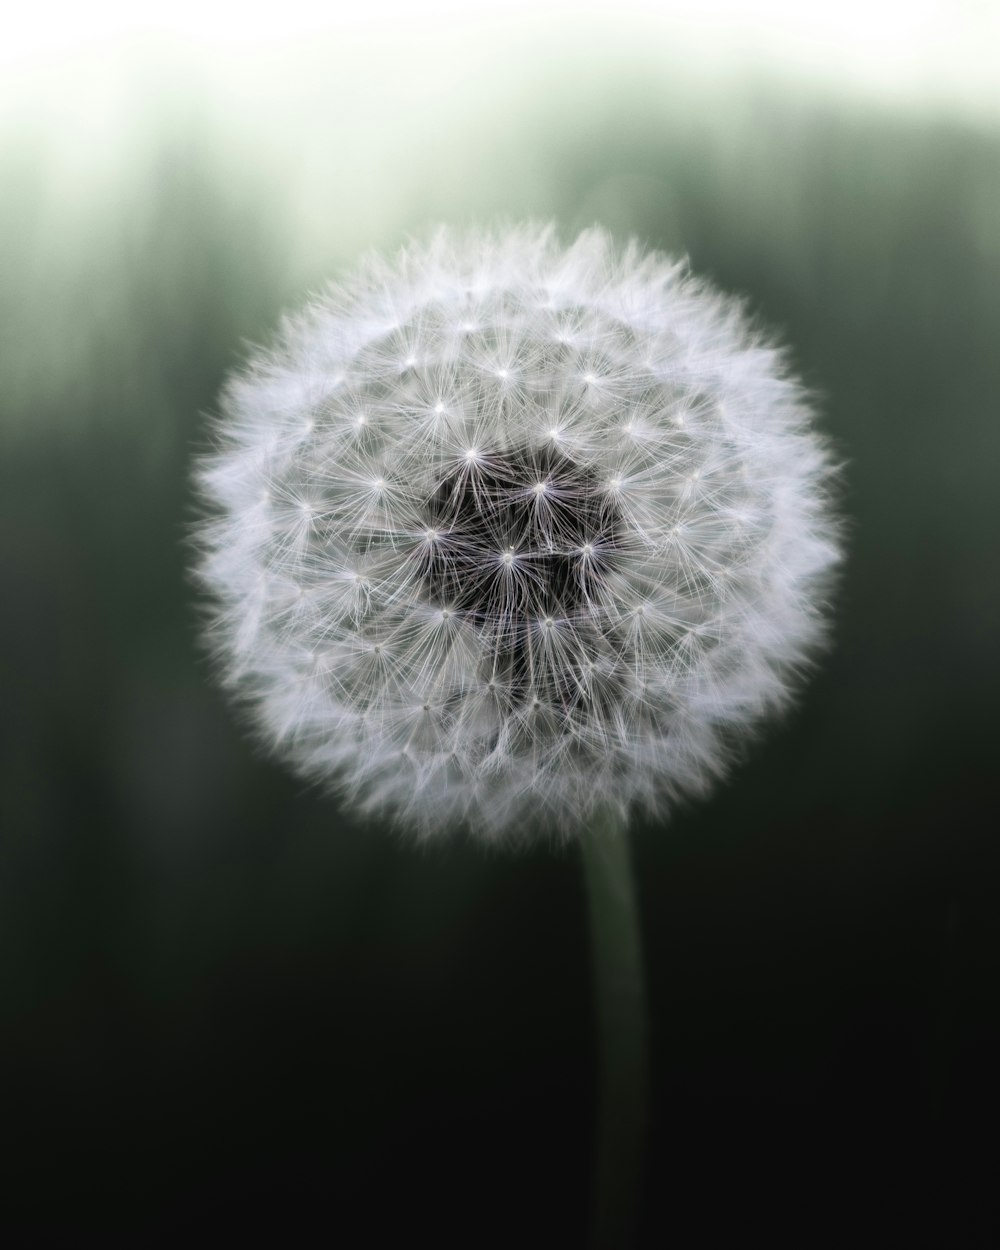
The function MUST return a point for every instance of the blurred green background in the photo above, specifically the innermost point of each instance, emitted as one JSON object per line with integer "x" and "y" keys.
{"x": 224, "y": 1004}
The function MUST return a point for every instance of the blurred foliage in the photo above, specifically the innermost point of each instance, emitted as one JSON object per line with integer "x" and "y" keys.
{"x": 213, "y": 979}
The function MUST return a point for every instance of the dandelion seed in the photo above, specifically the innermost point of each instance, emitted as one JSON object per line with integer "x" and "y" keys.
{"x": 552, "y": 618}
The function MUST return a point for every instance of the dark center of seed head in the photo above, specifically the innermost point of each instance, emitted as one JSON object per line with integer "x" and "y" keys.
{"x": 525, "y": 538}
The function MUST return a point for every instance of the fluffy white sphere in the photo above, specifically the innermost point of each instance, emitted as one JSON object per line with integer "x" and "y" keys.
{"x": 502, "y": 533}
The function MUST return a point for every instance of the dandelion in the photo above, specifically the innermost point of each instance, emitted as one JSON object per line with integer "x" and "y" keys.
{"x": 504, "y": 534}
{"x": 522, "y": 538}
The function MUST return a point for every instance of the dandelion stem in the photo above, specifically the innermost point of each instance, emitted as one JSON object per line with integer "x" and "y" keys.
{"x": 622, "y": 1023}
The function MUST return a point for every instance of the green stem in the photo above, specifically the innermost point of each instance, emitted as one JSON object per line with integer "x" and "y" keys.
{"x": 622, "y": 1023}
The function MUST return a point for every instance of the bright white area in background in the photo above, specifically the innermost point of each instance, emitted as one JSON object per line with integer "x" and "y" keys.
{"x": 942, "y": 54}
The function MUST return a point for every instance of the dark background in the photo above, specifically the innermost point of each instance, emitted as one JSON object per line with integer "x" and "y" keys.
{"x": 227, "y": 1008}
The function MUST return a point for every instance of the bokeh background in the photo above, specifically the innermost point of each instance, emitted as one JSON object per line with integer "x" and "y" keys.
{"x": 225, "y": 1006}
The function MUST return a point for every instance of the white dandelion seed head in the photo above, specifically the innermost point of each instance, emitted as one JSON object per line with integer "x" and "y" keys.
{"x": 501, "y": 533}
